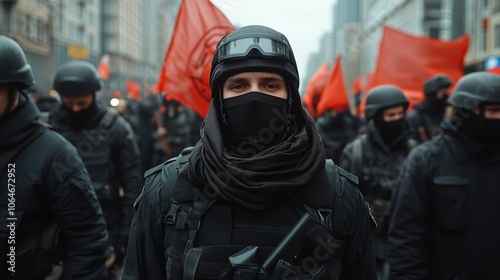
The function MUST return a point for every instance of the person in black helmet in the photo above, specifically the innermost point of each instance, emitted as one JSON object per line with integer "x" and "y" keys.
{"x": 46, "y": 192}
{"x": 376, "y": 155}
{"x": 106, "y": 143}
{"x": 445, "y": 208}
{"x": 426, "y": 117}
{"x": 257, "y": 177}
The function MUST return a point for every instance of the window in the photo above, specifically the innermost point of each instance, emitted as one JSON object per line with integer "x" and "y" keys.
{"x": 497, "y": 36}
{"x": 434, "y": 32}
{"x": 496, "y": 6}
{"x": 432, "y": 5}
{"x": 28, "y": 26}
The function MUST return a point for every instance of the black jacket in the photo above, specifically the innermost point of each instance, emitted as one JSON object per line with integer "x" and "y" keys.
{"x": 377, "y": 170}
{"x": 380, "y": 162}
{"x": 425, "y": 121}
{"x": 445, "y": 211}
{"x": 336, "y": 132}
{"x": 127, "y": 173}
{"x": 52, "y": 183}
{"x": 146, "y": 252}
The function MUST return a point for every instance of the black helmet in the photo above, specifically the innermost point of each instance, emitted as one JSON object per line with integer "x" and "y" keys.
{"x": 435, "y": 83}
{"x": 381, "y": 97}
{"x": 77, "y": 78}
{"x": 15, "y": 68}
{"x": 254, "y": 48}
{"x": 475, "y": 89}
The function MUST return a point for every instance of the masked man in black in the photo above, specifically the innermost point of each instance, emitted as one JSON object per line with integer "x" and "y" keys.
{"x": 426, "y": 117}
{"x": 445, "y": 207}
{"x": 376, "y": 156}
{"x": 106, "y": 143}
{"x": 49, "y": 211}
{"x": 258, "y": 176}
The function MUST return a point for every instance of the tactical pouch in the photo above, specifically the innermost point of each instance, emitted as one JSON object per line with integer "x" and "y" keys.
{"x": 38, "y": 253}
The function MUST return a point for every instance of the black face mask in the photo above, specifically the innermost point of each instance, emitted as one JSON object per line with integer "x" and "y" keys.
{"x": 389, "y": 131}
{"x": 486, "y": 131}
{"x": 337, "y": 121}
{"x": 82, "y": 116}
{"x": 257, "y": 118}
{"x": 438, "y": 105}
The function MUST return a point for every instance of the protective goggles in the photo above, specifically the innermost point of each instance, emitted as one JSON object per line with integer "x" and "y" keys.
{"x": 239, "y": 48}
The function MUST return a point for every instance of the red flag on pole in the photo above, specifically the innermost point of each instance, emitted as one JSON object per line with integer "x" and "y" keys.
{"x": 314, "y": 89}
{"x": 186, "y": 69}
{"x": 134, "y": 90}
{"x": 104, "y": 67}
{"x": 407, "y": 61}
{"x": 335, "y": 94}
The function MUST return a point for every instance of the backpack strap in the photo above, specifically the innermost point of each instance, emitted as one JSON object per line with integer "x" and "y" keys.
{"x": 412, "y": 143}
{"x": 182, "y": 221}
{"x": 108, "y": 118}
{"x": 356, "y": 165}
{"x": 9, "y": 155}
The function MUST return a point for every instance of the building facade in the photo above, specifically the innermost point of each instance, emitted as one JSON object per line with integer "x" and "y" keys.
{"x": 133, "y": 33}
{"x": 443, "y": 19}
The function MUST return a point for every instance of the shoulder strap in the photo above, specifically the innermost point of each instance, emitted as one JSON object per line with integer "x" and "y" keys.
{"x": 9, "y": 155}
{"x": 412, "y": 143}
{"x": 356, "y": 166}
{"x": 108, "y": 118}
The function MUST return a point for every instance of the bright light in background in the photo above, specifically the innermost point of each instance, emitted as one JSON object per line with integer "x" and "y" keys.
{"x": 114, "y": 102}
{"x": 302, "y": 22}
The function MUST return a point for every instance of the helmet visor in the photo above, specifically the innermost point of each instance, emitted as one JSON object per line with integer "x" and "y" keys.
{"x": 239, "y": 48}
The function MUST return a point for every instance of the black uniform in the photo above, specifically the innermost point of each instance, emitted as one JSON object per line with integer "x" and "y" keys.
{"x": 182, "y": 125}
{"x": 51, "y": 183}
{"x": 261, "y": 161}
{"x": 112, "y": 149}
{"x": 337, "y": 131}
{"x": 445, "y": 210}
{"x": 425, "y": 120}
{"x": 377, "y": 169}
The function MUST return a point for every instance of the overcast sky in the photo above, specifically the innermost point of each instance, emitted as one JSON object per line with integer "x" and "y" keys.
{"x": 302, "y": 22}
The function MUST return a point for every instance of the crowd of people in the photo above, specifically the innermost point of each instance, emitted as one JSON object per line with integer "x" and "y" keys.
{"x": 257, "y": 188}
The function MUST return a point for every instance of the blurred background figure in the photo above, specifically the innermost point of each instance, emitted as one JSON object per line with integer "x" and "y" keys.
{"x": 181, "y": 129}
{"x": 376, "y": 156}
{"x": 45, "y": 102}
{"x": 444, "y": 213}
{"x": 337, "y": 127}
{"x": 107, "y": 146}
{"x": 428, "y": 115}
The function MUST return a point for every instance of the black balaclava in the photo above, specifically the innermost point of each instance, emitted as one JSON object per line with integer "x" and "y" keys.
{"x": 268, "y": 125}
{"x": 84, "y": 115}
{"x": 256, "y": 118}
{"x": 255, "y": 177}
{"x": 486, "y": 131}
{"x": 389, "y": 131}
{"x": 437, "y": 105}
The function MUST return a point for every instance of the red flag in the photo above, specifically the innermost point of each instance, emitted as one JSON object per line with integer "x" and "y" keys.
{"x": 134, "y": 90}
{"x": 314, "y": 89}
{"x": 117, "y": 94}
{"x": 335, "y": 94}
{"x": 186, "y": 69}
{"x": 407, "y": 61}
{"x": 104, "y": 67}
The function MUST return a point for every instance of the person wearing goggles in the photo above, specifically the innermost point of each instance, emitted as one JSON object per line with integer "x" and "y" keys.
{"x": 259, "y": 155}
